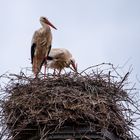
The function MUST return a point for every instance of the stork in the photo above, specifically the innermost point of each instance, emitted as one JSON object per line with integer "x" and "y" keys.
{"x": 41, "y": 45}
{"x": 59, "y": 58}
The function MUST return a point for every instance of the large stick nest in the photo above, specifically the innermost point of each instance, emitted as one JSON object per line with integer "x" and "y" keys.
{"x": 36, "y": 107}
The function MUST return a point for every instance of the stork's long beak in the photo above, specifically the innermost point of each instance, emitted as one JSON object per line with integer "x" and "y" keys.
{"x": 49, "y": 23}
{"x": 74, "y": 66}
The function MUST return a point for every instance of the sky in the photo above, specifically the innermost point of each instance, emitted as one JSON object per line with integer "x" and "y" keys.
{"x": 95, "y": 31}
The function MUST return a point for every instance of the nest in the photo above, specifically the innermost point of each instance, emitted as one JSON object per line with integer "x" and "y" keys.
{"x": 39, "y": 107}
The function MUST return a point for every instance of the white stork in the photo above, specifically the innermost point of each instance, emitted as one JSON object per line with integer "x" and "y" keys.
{"x": 41, "y": 45}
{"x": 59, "y": 58}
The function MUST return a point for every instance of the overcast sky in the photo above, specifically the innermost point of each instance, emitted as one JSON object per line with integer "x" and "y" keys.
{"x": 95, "y": 31}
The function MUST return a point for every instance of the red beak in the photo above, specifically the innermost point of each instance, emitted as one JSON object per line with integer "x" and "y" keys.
{"x": 49, "y": 23}
{"x": 74, "y": 66}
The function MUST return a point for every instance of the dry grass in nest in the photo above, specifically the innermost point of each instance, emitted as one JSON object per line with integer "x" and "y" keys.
{"x": 36, "y": 107}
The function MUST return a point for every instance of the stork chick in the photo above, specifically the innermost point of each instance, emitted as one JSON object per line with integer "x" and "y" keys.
{"x": 41, "y": 45}
{"x": 59, "y": 58}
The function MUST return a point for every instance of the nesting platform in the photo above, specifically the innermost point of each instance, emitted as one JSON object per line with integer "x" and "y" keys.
{"x": 73, "y": 106}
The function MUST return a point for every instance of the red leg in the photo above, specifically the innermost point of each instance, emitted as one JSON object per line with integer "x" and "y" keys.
{"x": 45, "y": 66}
{"x": 54, "y": 72}
{"x": 45, "y": 71}
{"x": 35, "y": 72}
{"x": 59, "y": 72}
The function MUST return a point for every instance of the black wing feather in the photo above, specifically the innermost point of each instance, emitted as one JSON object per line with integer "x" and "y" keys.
{"x": 49, "y": 58}
{"x": 49, "y": 49}
{"x": 44, "y": 60}
{"x": 32, "y": 51}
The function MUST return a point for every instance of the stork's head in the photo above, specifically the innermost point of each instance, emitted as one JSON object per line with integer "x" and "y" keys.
{"x": 73, "y": 64}
{"x": 44, "y": 20}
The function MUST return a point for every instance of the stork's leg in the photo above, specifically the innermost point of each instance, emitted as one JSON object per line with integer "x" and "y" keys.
{"x": 45, "y": 65}
{"x": 35, "y": 69}
{"x": 59, "y": 72}
{"x": 54, "y": 72}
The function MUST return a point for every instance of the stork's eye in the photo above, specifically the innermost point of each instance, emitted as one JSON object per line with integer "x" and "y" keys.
{"x": 71, "y": 61}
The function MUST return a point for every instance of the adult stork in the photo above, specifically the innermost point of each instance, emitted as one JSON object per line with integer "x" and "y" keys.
{"x": 41, "y": 45}
{"x": 59, "y": 58}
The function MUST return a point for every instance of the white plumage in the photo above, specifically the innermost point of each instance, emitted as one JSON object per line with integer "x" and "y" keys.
{"x": 41, "y": 45}
{"x": 59, "y": 58}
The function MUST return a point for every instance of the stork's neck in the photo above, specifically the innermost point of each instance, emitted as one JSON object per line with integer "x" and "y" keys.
{"x": 45, "y": 26}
